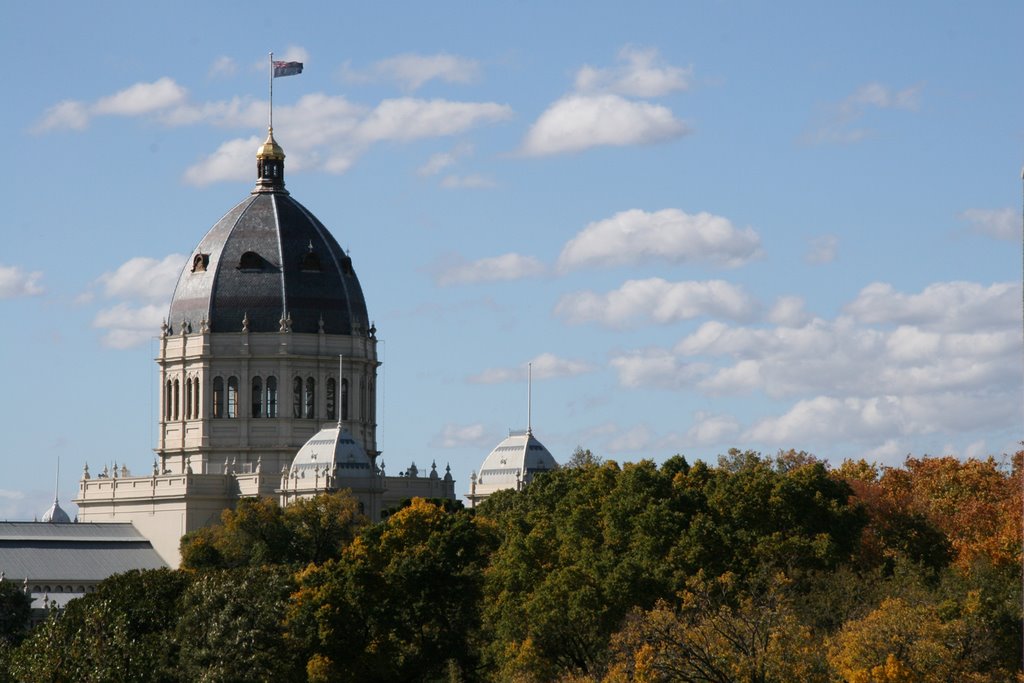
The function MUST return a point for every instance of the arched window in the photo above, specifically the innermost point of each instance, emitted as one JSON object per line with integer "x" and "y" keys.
{"x": 218, "y": 397}
{"x": 344, "y": 399}
{"x": 271, "y": 396}
{"x": 174, "y": 401}
{"x": 250, "y": 261}
{"x": 310, "y": 263}
{"x": 188, "y": 398}
{"x": 297, "y": 397}
{"x": 167, "y": 400}
{"x": 257, "y": 397}
{"x": 309, "y": 404}
{"x": 195, "y": 397}
{"x": 332, "y": 388}
{"x": 232, "y": 396}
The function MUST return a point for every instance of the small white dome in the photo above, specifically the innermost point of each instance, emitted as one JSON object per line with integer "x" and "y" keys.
{"x": 336, "y": 449}
{"x": 514, "y": 461}
{"x": 56, "y": 515}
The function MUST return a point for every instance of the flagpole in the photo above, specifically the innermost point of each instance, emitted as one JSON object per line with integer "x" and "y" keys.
{"x": 271, "y": 74}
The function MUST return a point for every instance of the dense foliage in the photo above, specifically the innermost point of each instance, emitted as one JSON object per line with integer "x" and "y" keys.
{"x": 753, "y": 569}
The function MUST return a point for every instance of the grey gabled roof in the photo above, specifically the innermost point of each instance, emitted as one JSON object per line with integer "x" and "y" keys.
{"x": 72, "y": 552}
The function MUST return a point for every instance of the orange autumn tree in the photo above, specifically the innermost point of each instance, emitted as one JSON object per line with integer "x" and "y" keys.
{"x": 976, "y": 503}
{"x": 937, "y": 510}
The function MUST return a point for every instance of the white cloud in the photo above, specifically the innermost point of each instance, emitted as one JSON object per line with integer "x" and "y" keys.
{"x": 329, "y": 133}
{"x": 657, "y": 300}
{"x": 845, "y": 359}
{"x": 708, "y": 429}
{"x": 1000, "y": 224}
{"x": 633, "y": 440}
{"x": 233, "y": 113}
{"x": 144, "y": 278}
{"x": 222, "y": 67}
{"x": 135, "y": 100}
{"x": 578, "y": 122}
{"x": 458, "y": 271}
{"x": 897, "y": 365}
{"x": 640, "y": 74}
{"x": 788, "y": 311}
{"x": 324, "y": 132}
{"x": 410, "y": 119}
{"x": 293, "y": 53}
{"x": 231, "y": 161}
{"x": 456, "y": 436}
{"x": 881, "y": 97}
{"x": 471, "y": 181}
{"x": 827, "y": 417}
{"x": 545, "y": 366}
{"x": 142, "y": 98}
{"x": 656, "y": 368}
{"x": 670, "y": 235}
{"x": 436, "y": 163}
{"x": 316, "y": 120}
{"x": 839, "y": 124}
{"x": 143, "y": 285}
{"x": 411, "y": 71}
{"x": 128, "y": 326}
{"x": 16, "y": 282}
{"x": 822, "y": 249}
{"x": 967, "y": 306}
{"x": 550, "y": 366}
{"x": 66, "y": 115}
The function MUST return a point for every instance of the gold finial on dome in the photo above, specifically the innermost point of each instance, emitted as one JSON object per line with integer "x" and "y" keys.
{"x": 270, "y": 149}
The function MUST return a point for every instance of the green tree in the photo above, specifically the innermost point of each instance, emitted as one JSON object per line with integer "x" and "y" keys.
{"x": 320, "y": 527}
{"x": 401, "y": 603}
{"x": 15, "y": 612}
{"x": 230, "y": 626}
{"x": 258, "y": 531}
{"x": 580, "y": 547}
{"x": 122, "y": 632}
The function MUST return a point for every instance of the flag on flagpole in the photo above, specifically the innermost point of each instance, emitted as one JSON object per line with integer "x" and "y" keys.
{"x": 287, "y": 68}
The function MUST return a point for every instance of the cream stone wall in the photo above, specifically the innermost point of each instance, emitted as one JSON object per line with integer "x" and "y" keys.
{"x": 212, "y": 445}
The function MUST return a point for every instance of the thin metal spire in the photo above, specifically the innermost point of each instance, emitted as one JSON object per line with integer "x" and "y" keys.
{"x": 56, "y": 481}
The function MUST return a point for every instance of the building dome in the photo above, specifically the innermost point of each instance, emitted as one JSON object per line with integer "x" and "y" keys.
{"x": 56, "y": 514}
{"x": 511, "y": 464}
{"x": 333, "y": 449}
{"x": 269, "y": 265}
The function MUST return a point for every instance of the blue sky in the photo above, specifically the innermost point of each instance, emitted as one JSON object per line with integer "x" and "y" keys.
{"x": 707, "y": 224}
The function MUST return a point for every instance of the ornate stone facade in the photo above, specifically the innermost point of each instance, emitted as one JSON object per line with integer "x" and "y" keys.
{"x": 267, "y": 343}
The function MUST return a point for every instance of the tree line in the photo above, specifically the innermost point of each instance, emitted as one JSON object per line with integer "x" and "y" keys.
{"x": 755, "y": 569}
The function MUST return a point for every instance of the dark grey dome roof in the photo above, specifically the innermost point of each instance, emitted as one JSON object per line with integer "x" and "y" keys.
{"x": 269, "y": 258}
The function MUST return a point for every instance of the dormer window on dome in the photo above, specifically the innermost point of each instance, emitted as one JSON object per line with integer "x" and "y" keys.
{"x": 310, "y": 261}
{"x": 200, "y": 262}
{"x": 251, "y": 262}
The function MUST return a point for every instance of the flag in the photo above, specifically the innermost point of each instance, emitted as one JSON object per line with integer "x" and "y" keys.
{"x": 287, "y": 68}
